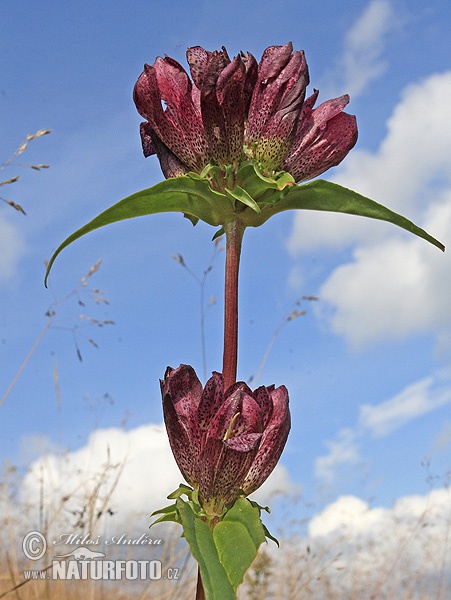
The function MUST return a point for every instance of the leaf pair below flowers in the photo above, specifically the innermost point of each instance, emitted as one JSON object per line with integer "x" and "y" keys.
{"x": 253, "y": 201}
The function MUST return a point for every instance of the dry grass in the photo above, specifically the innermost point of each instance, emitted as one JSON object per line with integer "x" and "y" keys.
{"x": 86, "y": 514}
{"x": 11, "y": 162}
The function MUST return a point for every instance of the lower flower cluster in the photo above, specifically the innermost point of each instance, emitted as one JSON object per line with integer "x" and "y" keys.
{"x": 223, "y": 440}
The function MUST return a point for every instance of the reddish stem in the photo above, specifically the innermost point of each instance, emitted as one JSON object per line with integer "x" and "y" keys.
{"x": 200, "y": 594}
{"x": 234, "y": 235}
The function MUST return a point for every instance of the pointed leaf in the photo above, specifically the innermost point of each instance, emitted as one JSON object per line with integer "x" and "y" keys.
{"x": 182, "y": 489}
{"x": 269, "y": 536}
{"x": 242, "y": 196}
{"x": 189, "y": 195}
{"x": 165, "y": 510}
{"x": 170, "y": 517}
{"x": 327, "y": 196}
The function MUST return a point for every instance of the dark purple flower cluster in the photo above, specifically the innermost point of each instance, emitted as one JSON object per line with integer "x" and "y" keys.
{"x": 235, "y": 110}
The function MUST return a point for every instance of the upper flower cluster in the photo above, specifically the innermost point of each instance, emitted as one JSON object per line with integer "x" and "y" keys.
{"x": 223, "y": 440}
{"x": 238, "y": 110}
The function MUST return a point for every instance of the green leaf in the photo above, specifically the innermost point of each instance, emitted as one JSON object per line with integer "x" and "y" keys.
{"x": 225, "y": 554}
{"x": 165, "y": 510}
{"x": 200, "y": 539}
{"x": 265, "y": 529}
{"x": 182, "y": 489}
{"x": 327, "y": 196}
{"x": 260, "y": 198}
{"x": 258, "y": 186}
{"x": 188, "y": 194}
{"x": 242, "y": 196}
{"x": 171, "y": 517}
{"x": 237, "y": 538}
{"x": 269, "y": 536}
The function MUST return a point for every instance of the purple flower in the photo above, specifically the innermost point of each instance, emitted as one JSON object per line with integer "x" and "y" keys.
{"x": 223, "y": 440}
{"x": 235, "y": 110}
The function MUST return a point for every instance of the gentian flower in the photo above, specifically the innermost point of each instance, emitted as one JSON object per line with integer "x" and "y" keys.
{"x": 235, "y": 110}
{"x": 223, "y": 440}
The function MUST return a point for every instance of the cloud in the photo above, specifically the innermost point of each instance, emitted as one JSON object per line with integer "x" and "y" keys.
{"x": 364, "y": 46}
{"x": 344, "y": 456}
{"x": 402, "y": 283}
{"x": 416, "y": 400}
{"x": 401, "y": 279}
{"x": 343, "y": 453}
{"x": 362, "y": 59}
{"x": 127, "y": 473}
{"x": 364, "y": 551}
{"x": 354, "y": 550}
{"x": 443, "y": 440}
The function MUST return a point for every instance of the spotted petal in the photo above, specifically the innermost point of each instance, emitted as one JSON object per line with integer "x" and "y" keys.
{"x": 222, "y": 107}
{"x": 179, "y": 127}
{"x": 324, "y": 137}
{"x": 272, "y": 443}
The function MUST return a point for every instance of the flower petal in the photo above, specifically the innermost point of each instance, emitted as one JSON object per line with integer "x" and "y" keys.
{"x": 324, "y": 137}
{"x": 275, "y": 109}
{"x": 244, "y": 443}
{"x": 222, "y": 107}
{"x": 146, "y": 132}
{"x": 272, "y": 443}
{"x": 198, "y": 58}
{"x": 170, "y": 164}
{"x": 211, "y": 400}
{"x": 224, "y": 468}
{"x": 181, "y": 391}
{"x": 226, "y": 414}
{"x": 250, "y": 80}
{"x": 264, "y": 97}
{"x": 179, "y": 127}
{"x": 263, "y": 399}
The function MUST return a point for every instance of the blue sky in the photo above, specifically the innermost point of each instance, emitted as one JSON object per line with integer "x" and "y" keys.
{"x": 367, "y": 366}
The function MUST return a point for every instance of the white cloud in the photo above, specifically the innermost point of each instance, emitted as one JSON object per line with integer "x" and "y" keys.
{"x": 380, "y": 420}
{"x": 129, "y": 472}
{"x": 362, "y": 60}
{"x": 416, "y": 400}
{"x": 343, "y": 453}
{"x": 443, "y": 440}
{"x": 372, "y": 552}
{"x": 395, "y": 284}
{"x": 347, "y": 512}
{"x": 392, "y": 289}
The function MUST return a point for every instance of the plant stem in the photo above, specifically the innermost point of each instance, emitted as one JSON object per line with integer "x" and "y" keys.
{"x": 234, "y": 235}
{"x": 200, "y": 594}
